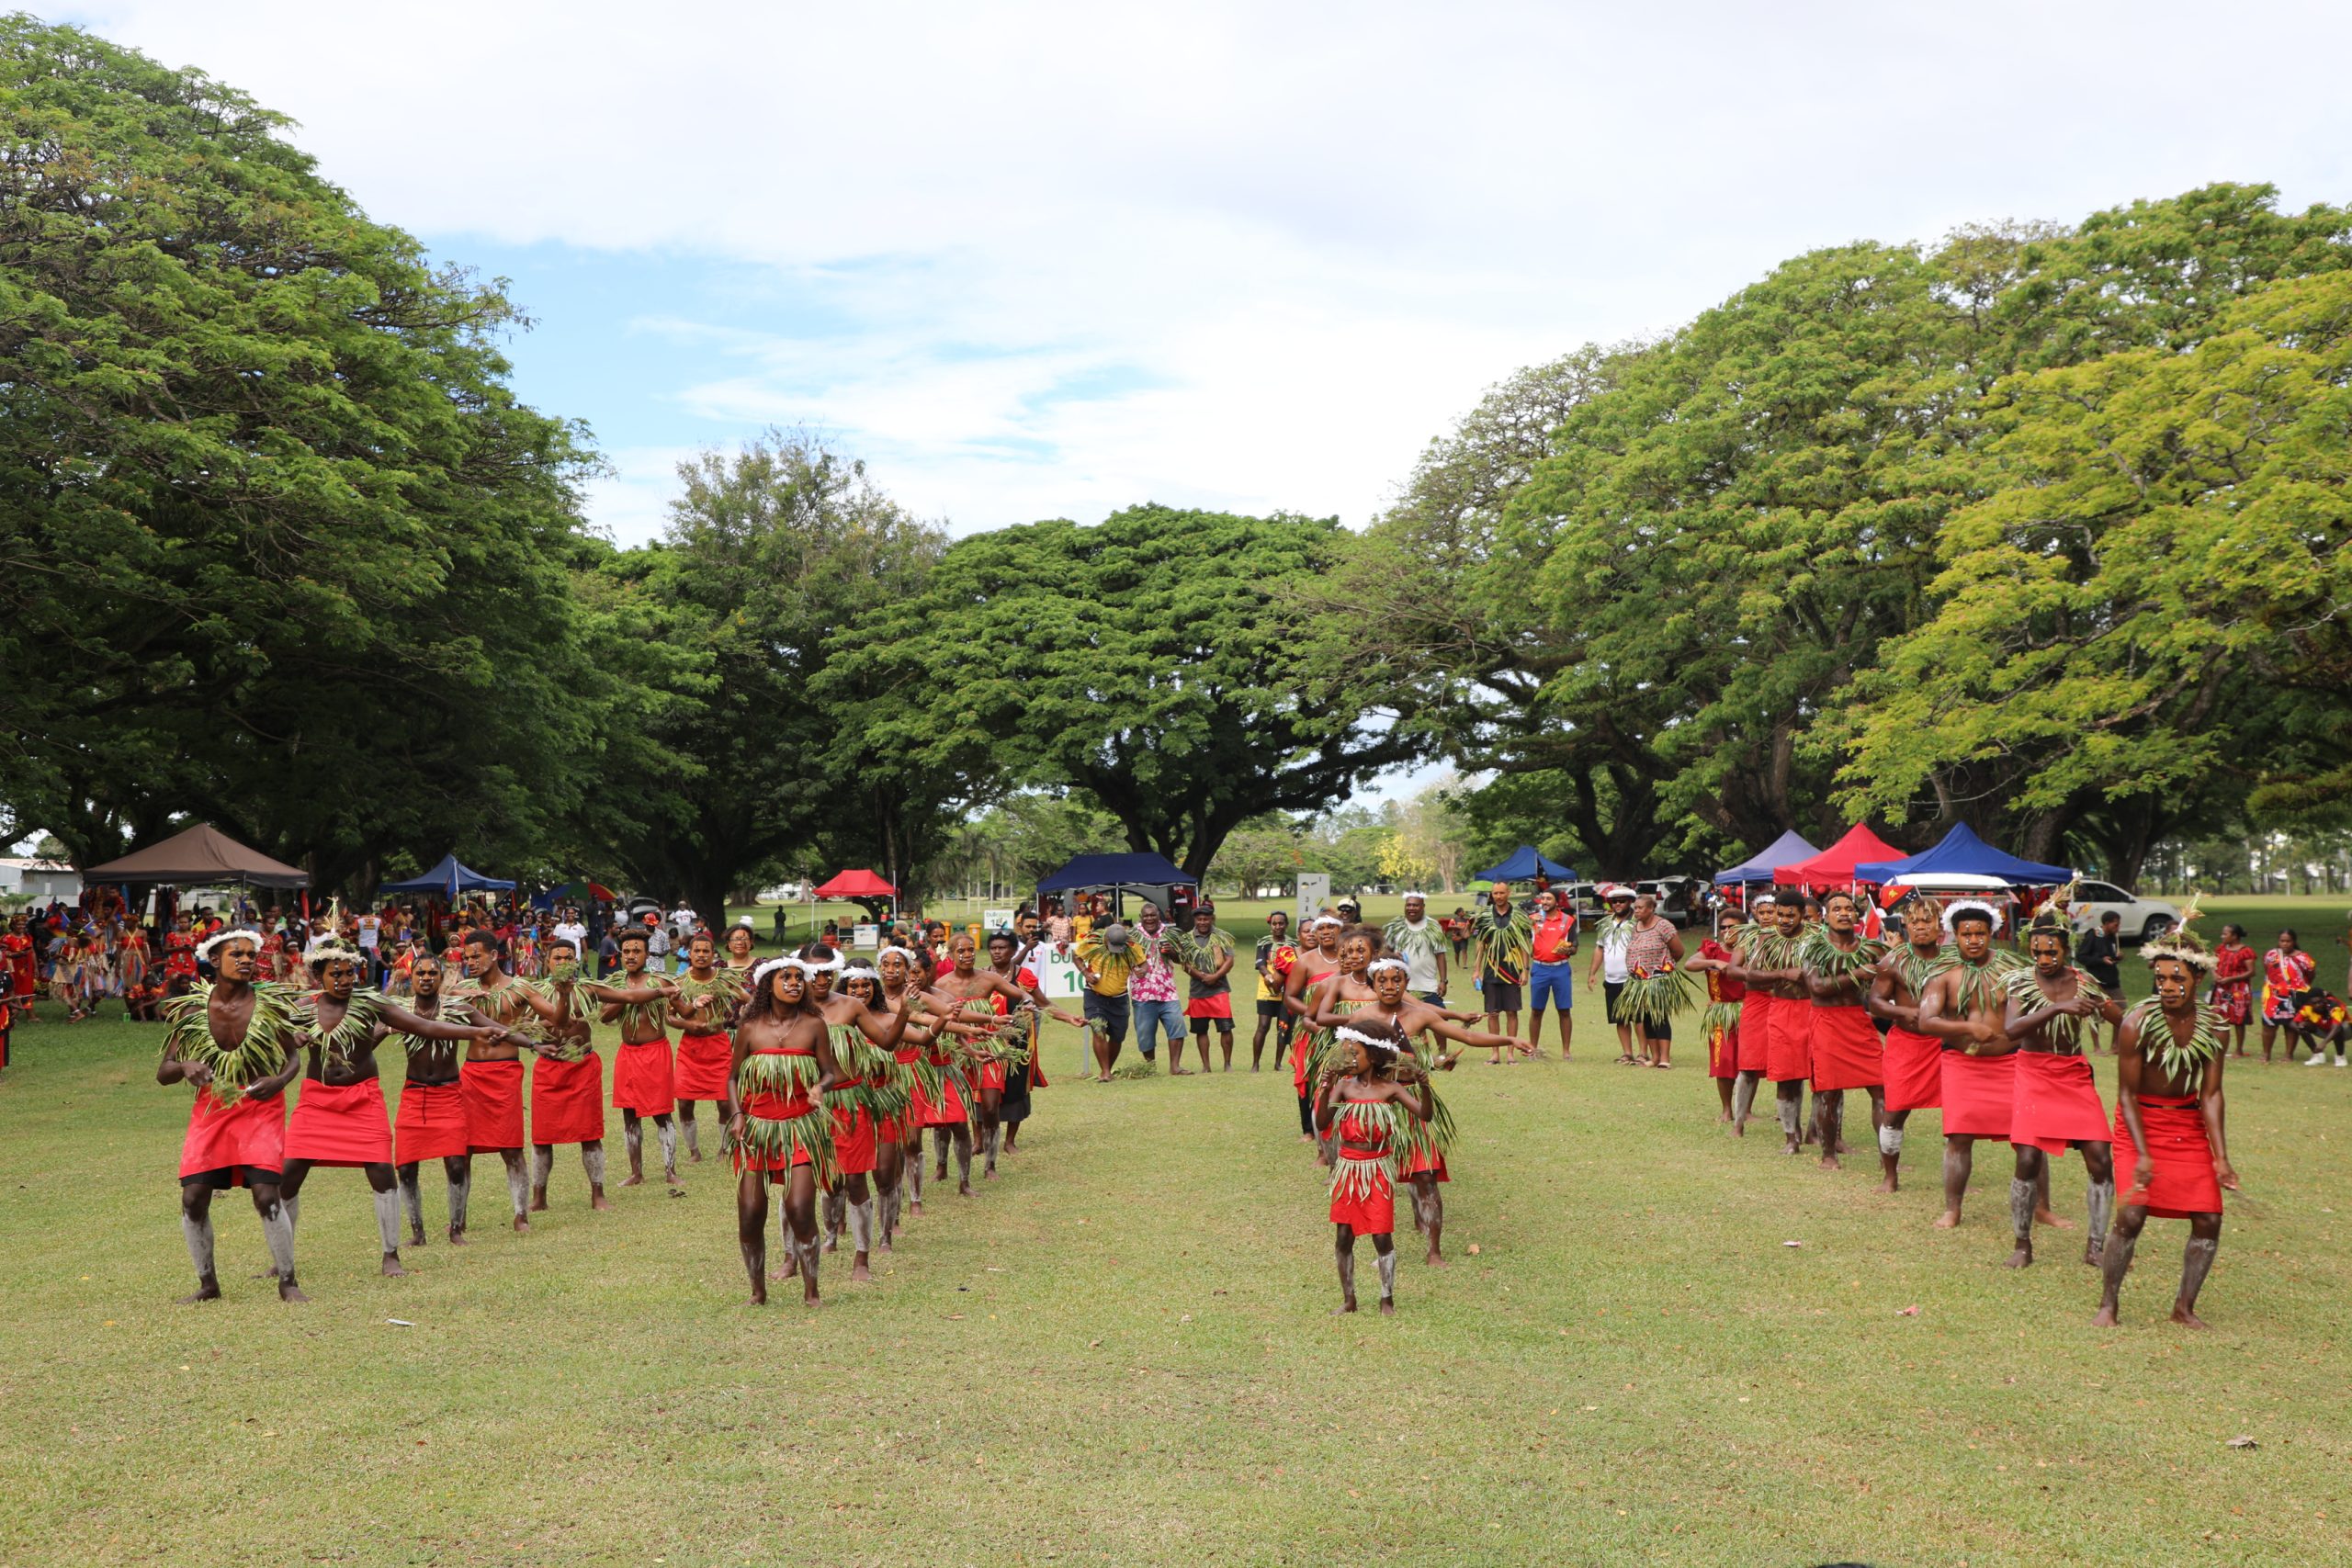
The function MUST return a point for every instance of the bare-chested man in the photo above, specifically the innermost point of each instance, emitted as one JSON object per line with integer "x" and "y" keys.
{"x": 1772, "y": 970}
{"x": 2168, "y": 1123}
{"x": 706, "y": 998}
{"x": 234, "y": 1040}
{"x": 341, "y": 1119}
{"x": 1965, "y": 1006}
{"x": 431, "y": 1120}
{"x": 642, "y": 1085}
{"x": 492, "y": 1078}
{"x": 1913, "y": 1058}
{"x": 1843, "y": 1044}
{"x": 783, "y": 1064}
{"x": 2051, "y": 1011}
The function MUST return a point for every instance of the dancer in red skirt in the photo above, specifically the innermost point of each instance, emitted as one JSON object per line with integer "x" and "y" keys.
{"x": 864, "y": 1039}
{"x": 1913, "y": 1061}
{"x": 1965, "y": 1007}
{"x": 341, "y": 1119}
{"x": 1318, "y": 959}
{"x": 1718, "y": 1025}
{"x": 1003, "y": 997}
{"x": 2168, "y": 1123}
{"x": 642, "y": 1085}
{"x": 233, "y": 1040}
{"x": 568, "y": 1080}
{"x": 430, "y": 1121}
{"x": 1366, "y": 1097}
{"x": 1756, "y": 1006}
{"x": 490, "y": 1084}
{"x": 1772, "y": 968}
{"x": 2051, "y": 1011}
{"x": 1843, "y": 1043}
{"x": 782, "y": 1068}
{"x": 706, "y": 998}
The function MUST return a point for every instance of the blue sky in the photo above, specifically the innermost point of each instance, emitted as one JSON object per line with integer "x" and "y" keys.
{"x": 1036, "y": 260}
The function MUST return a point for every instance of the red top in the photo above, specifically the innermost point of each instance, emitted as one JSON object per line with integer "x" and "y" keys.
{"x": 1722, "y": 988}
{"x": 1552, "y": 936}
{"x": 2290, "y": 971}
{"x": 2233, "y": 963}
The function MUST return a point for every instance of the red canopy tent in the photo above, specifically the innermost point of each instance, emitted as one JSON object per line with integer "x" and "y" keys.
{"x": 1833, "y": 867}
{"x": 855, "y": 885}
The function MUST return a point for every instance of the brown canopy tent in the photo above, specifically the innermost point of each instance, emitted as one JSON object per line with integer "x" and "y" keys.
{"x": 199, "y": 857}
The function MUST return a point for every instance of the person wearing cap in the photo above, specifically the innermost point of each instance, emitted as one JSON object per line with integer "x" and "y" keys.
{"x": 1551, "y": 971}
{"x": 1609, "y": 966}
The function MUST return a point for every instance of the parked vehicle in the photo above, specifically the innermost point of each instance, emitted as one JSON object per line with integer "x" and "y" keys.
{"x": 1679, "y": 899}
{"x": 2143, "y": 918}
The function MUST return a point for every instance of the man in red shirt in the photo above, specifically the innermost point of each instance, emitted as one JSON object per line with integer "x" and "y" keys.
{"x": 1552, "y": 973}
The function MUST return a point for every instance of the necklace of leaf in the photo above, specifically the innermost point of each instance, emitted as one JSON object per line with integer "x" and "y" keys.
{"x": 2177, "y": 1058}
{"x": 1915, "y": 969}
{"x": 1822, "y": 954}
{"x": 1979, "y": 984}
{"x": 353, "y": 1032}
{"x": 2067, "y": 1030}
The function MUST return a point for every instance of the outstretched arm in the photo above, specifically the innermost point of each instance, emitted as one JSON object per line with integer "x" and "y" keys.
{"x": 407, "y": 1022}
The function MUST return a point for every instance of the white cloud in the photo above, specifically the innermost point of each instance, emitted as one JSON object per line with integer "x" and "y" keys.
{"x": 1276, "y": 248}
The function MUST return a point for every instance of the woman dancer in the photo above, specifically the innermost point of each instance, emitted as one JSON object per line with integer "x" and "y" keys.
{"x": 1368, "y": 1098}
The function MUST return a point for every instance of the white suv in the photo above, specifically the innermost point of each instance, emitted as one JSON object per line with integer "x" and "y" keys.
{"x": 2143, "y": 918}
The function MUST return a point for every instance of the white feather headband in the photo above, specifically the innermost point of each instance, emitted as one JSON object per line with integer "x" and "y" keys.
{"x": 860, "y": 971}
{"x": 903, "y": 953}
{"x": 326, "y": 947}
{"x": 1388, "y": 963}
{"x": 204, "y": 949}
{"x": 1345, "y": 1033}
{"x": 760, "y": 972}
{"x": 819, "y": 965}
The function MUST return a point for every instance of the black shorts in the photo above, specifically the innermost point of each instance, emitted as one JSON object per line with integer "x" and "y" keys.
{"x": 1108, "y": 1015}
{"x": 1613, "y": 989}
{"x": 1271, "y": 1009}
{"x": 1497, "y": 996}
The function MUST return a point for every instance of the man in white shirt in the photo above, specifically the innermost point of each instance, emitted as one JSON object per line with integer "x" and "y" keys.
{"x": 1609, "y": 966}
{"x": 370, "y": 939}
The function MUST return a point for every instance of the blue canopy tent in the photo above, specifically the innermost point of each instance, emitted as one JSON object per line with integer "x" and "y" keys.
{"x": 1962, "y": 852}
{"x": 449, "y": 879}
{"x": 1786, "y": 849}
{"x": 1150, "y": 875}
{"x": 1523, "y": 864}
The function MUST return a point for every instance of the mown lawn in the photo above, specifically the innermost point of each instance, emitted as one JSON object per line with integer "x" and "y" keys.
{"x": 1122, "y": 1352}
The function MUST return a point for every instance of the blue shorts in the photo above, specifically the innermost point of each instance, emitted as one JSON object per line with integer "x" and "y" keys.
{"x": 1552, "y": 984}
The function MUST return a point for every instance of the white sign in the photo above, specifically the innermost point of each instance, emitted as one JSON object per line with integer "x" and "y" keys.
{"x": 1056, "y": 975}
{"x": 866, "y": 934}
{"x": 996, "y": 920}
{"x": 1314, "y": 891}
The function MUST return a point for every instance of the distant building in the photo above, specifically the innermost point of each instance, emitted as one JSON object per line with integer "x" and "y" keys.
{"x": 40, "y": 880}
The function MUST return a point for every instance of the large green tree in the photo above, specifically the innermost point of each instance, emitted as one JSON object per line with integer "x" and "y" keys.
{"x": 1163, "y": 661}
{"x": 279, "y": 546}
{"x": 741, "y": 744}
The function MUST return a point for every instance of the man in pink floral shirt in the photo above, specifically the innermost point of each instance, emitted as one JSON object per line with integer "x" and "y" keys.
{"x": 1151, "y": 990}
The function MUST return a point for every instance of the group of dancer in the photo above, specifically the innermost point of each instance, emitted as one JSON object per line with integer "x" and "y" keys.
{"x": 1997, "y": 1045}
{"x": 825, "y": 1075}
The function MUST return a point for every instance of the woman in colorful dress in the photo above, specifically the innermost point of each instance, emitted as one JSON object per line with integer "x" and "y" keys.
{"x": 2232, "y": 994}
{"x": 2286, "y": 973}
{"x": 24, "y": 964}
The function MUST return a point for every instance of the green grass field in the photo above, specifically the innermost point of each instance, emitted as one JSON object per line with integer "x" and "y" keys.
{"x": 1121, "y": 1352}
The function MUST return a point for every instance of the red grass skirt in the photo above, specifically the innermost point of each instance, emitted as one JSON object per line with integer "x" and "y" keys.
{"x": 701, "y": 1069}
{"x": 1217, "y": 1006}
{"x": 1914, "y": 1070}
{"x": 1979, "y": 1094}
{"x": 1374, "y": 1211}
{"x": 1846, "y": 1050}
{"x": 341, "y": 1124}
{"x": 2183, "y": 1183}
{"x": 947, "y": 1111}
{"x": 564, "y": 1107}
{"x": 227, "y": 1137}
{"x": 775, "y": 1108}
{"x": 1788, "y": 1048}
{"x": 2057, "y": 1103}
{"x": 492, "y": 1092}
{"x": 1756, "y": 1032}
{"x": 1421, "y": 1161}
{"x": 992, "y": 1075}
{"x": 642, "y": 1079}
{"x": 430, "y": 1124}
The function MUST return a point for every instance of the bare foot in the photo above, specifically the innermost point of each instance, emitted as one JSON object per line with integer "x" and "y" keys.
{"x": 1740, "y": 1129}
{"x": 1948, "y": 1219}
{"x": 1831, "y": 1162}
{"x": 636, "y": 1179}
{"x": 915, "y": 1207}
{"x": 2091, "y": 1251}
{"x": 202, "y": 1294}
{"x": 539, "y": 1202}
{"x": 811, "y": 1301}
{"x": 783, "y": 1274}
{"x": 599, "y": 1201}
{"x": 1889, "y": 1184}
{"x": 2188, "y": 1319}
{"x": 1345, "y": 1308}
{"x": 989, "y": 1175}
{"x": 963, "y": 1190}
{"x": 1387, "y": 1308}
{"x": 2044, "y": 1217}
{"x": 289, "y": 1291}
{"x": 859, "y": 1273}
{"x": 522, "y": 1226}
{"x": 2104, "y": 1318}
{"x": 759, "y": 1295}
{"x": 456, "y": 1238}
{"x": 695, "y": 1158}
{"x": 1435, "y": 1261}
{"x": 415, "y": 1237}
{"x": 392, "y": 1265}
{"x": 2021, "y": 1258}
